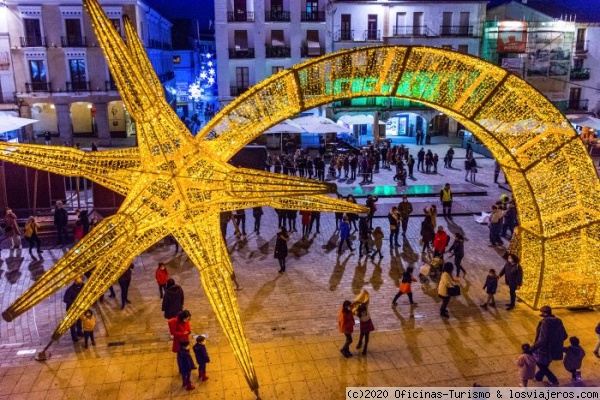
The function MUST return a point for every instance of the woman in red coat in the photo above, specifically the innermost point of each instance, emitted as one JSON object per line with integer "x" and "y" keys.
{"x": 180, "y": 329}
{"x": 346, "y": 326}
{"x": 162, "y": 276}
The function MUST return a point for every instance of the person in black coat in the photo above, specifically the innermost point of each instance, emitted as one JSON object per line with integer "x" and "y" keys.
{"x": 69, "y": 298}
{"x": 61, "y": 220}
{"x": 281, "y": 248}
{"x": 513, "y": 273}
{"x": 173, "y": 298}
{"x": 124, "y": 282}
{"x": 427, "y": 232}
{"x": 202, "y": 357}
{"x": 185, "y": 363}
{"x": 458, "y": 251}
{"x": 550, "y": 336}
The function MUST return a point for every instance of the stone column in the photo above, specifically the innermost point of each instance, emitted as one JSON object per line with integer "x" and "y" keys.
{"x": 102, "y": 124}
{"x": 65, "y": 127}
{"x": 27, "y": 132}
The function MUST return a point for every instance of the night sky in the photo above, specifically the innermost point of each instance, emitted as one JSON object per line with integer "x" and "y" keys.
{"x": 203, "y": 10}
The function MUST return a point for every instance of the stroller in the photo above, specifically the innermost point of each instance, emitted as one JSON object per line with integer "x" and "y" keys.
{"x": 432, "y": 269}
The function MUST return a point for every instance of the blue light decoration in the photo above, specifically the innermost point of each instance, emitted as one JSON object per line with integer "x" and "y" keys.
{"x": 206, "y": 79}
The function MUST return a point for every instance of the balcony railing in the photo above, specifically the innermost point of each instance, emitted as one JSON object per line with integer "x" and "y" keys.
{"x": 237, "y": 90}
{"x": 78, "y": 86}
{"x": 581, "y": 46}
{"x": 315, "y": 16}
{"x": 412, "y": 31}
{"x": 372, "y": 34}
{"x": 456, "y": 30}
{"x": 110, "y": 86}
{"x": 241, "y": 53}
{"x": 38, "y": 87}
{"x": 73, "y": 41}
{"x": 278, "y": 52}
{"x": 277, "y": 16}
{"x": 312, "y": 51}
{"x": 580, "y": 74}
{"x": 33, "y": 41}
{"x": 580, "y": 105}
{"x": 344, "y": 35}
{"x": 240, "y": 16}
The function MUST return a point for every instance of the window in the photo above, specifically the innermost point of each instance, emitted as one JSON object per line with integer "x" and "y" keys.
{"x": 463, "y": 48}
{"x": 400, "y": 24}
{"x": 176, "y": 59}
{"x": 241, "y": 40}
{"x": 580, "y": 41}
{"x": 77, "y": 74}
{"x": 346, "y": 28}
{"x": 372, "y": 27}
{"x": 33, "y": 33}
{"x": 446, "y": 24}
{"x": 37, "y": 74}
{"x": 277, "y": 38}
{"x": 116, "y": 23}
{"x": 276, "y": 5}
{"x": 418, "y": 29}
{"x": 312, "y": 7}
{"x": 464, "y": 23}
{"x": 73, "y": 32}
{"x": 312, "y": 42}
{"x": 242, "y": 80}
{"x": 276, "y": 68}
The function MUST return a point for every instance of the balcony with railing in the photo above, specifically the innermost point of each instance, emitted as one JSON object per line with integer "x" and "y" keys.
{"x": 312, "y": 51}
{"x": 31, "y": 87}
{"x": 412, "y": 31}
{"x": 384, "y": 103}
{"x": 237, "y": 90}
{"x": 582, "y": 74}
{"x": 73, "y": 41}
{"x": 581, "y": 46}
{"x": 241, "y": 53}
{"x": 110, "y": 86}
{"x": 344, "y": 35}
{"x": 278, "y": 52}
{"x": 83, "y": 86}
{"x": 456, "y": 30}
{"x": 578, "y": 105}
{"x": 33, "y": 41}
{"x": 372, "y": 35}
{"x": 277, "y": 16}
{"x": 240, "y": 16}
{"x": 315, "y": 16}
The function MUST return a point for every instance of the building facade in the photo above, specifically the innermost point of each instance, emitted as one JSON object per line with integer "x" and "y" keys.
{"x": 60, "y": 76}
{"x": 257, "y": 38}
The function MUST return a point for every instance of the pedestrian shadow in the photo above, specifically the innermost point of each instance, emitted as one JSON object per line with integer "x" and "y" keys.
{"x": 408, "y": 254}
{"x": 358, "y": 281}
{"x": 455, "y": 228}
{"x": 338, "y": 272}
{"x": 331, "y": 243}
{"x": 396, "y": 269}
{"x": 480, "y": 184}
{"x": 376, "y": 281}
{"x": 256, "y": 304}
{"x": 13, "y": 269}
{"x": 300, "y": 247}
{"x": 36, "y": 268}
{"x": 411, "y": 333}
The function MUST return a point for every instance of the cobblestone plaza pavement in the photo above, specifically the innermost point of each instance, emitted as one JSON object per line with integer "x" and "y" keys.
{"x": 289, "y": 319}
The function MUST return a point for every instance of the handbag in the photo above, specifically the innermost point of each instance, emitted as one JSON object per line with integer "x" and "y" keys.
{"x": 454, "y": 291}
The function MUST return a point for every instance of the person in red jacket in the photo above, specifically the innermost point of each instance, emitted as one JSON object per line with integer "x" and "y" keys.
{"x": 346, "y": 326}
{"x": 162, "y": 276}
{"x": 180, "y": 329}
{"x": 440, "y": 241}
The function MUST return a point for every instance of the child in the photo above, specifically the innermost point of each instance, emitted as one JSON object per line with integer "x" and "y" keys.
{"x": 378, "y": 241}
{"x": 201, "y": 357}
{"x": 573, "y": 356}
{"x": 162, "y": 276}
{"x": 88, "y": 322}
{"x": 185, "y": 364}
{"x": 526, "y": 364}
{"x": 490, "y": 286}
{"x": 405, "y": 287}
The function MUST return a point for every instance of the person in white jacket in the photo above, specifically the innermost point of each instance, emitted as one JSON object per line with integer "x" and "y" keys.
{"x": 446, "y": 282}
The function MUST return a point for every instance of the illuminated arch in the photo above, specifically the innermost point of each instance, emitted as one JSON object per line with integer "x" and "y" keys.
{"x": 553, "y": 179}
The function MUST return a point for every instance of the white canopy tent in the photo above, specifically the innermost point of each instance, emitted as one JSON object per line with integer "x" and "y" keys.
{"x": 10, "y": 123}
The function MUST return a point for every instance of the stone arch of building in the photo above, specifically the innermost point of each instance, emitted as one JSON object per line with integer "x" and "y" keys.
{"x": 552, "y": 177}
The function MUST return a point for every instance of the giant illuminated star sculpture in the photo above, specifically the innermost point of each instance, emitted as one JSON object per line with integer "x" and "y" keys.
{"x": 173, "y": 183}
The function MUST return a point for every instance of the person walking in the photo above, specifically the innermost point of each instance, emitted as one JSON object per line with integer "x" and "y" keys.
{"x": 427, "y": 232}
{"x": 440, "y": 242}
{"x": 281, "y": 248}
{"x": 202, "y": 357}
{"x": 291, "y": 216}
{"x": 421, "y": 160}
{"x": 185, "y": 364}
{"x": 315, "y": 219}
{"x": 411, "y": 166}
{"x": 405, "y": 208}
{"x": 450, "y": 155}
{"x": 240, "y": 219}
{"x": 405, "y": 287}
{"x": 513, "y": 276}
{"x": 88, "y": 322}
{"x": 257, "y": 213}
{"x": 31, "y": 235}
{"x": 47, "y": 138}
{"x": 473, "y": 169}
{"x": 61, "y": 220}
{"x": 69, "y": 298}
{"x": 372, "y": 206}
{"x": 124, "y": 282}
{"x": 378, "y": 242}
{"x": 346, "y": 326}
{"x": 446, "y": 282}
{"x": 173, "y": 299}
{"x": 364, "y": 235}
{"x": 11, "y": 229}
{"x": 446, "y": 199}
{"x": 305, "y": 220}
{"x": 345, "y": 236}
{"x": 490, "y": 286}
{"x": 548, "y": 346}
{"x": 162, "y": 277}
{"x": 394, "y": 220}
{"x": 573, "y": 358}
{"x": 526, "y": 364}
{"x": 496, "y": 220}
{"x": 458, "y": 251}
